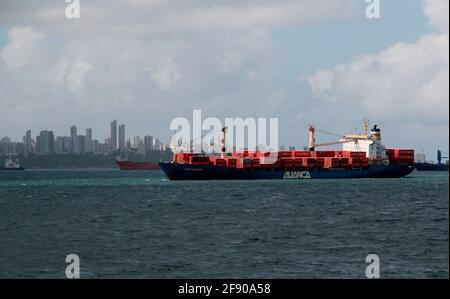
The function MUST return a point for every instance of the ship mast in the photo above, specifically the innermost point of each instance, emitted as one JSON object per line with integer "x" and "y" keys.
{"x": 365, "y": 126}
{"x": 312, "y": 139}
{"x": 224, "y": 144}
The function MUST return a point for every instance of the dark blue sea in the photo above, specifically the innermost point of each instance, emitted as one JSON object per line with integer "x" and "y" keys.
{"x": 137, "y": 224}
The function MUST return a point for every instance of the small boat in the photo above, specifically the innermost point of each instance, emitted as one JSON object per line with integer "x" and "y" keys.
{"x": 12, "y": 165}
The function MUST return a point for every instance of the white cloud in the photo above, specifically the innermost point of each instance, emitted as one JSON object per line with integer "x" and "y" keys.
{"x": 76, "y": 75}
{"x": 22, "y": 49}
{"x": 164, "y": 74}
{"x": 407, "y": 81}
{"x": 438, "y": 13}
{"x": 321, "y": 82}
{"x": 157, "y": 18}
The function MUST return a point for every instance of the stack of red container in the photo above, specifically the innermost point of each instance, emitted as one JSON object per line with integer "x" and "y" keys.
{"x": 401, "y": 156}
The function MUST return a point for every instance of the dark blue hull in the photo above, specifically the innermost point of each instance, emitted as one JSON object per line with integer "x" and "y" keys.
{"x": 175, "y": 171}
{"x": 431, "y": 167}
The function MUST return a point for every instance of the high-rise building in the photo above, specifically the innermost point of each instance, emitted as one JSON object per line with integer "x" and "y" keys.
{"x": 38, "y": 143}
{"x": 47, "y": 143}
{"x": 67, "y": 141}
{"x": 5, "y": 145}
{"x": 59, "y": 145}
{"x": 114, "y": 135}
{"x": 88, "y": 147}
{"x": 158, "y": 145}
{"x": 136, "y": 142}
{"x": 122, "y": 138}
{"x": 27, "y": 143}
{"x": 95, "y": 147}
{"x": 81, "y": 143}
{"x": 148, "y": 143}
{"x": 74, "y": 147}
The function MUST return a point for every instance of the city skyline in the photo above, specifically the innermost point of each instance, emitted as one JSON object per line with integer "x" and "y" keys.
{"x": 46, "y": 142}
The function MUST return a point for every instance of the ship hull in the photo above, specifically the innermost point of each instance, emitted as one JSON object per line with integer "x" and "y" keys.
{"x": 129, "y": 165}
{"x": 176, "y": 171}
{"x": 431, "y": 167}
{"x": 11, "y": 169}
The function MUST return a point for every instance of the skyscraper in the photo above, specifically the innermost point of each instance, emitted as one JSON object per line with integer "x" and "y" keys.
{"x": 148, "y": 143}
{"x": 81, "y": 143}
{"x": 114, "y": 135}
{"x": 47, "y": 143}
{"x": 59, "y": 145}
{"x": 27, "y": 143}
{"x": 158, "y": 145}
{"x": 88, "y": 146}
{"x": 122, "y": 138}
{"x": 136, "y": 142}
{"x": 74, "y": 148}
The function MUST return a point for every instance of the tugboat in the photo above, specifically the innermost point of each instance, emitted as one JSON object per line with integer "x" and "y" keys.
{"x": 12, "y": 165}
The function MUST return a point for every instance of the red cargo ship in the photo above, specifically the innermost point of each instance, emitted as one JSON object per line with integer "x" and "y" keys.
{"x": 362, "y": 156}
{"x": 129, "y": 165}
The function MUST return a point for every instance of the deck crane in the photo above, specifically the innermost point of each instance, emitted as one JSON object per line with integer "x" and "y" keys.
{"x": 312, "y": 140}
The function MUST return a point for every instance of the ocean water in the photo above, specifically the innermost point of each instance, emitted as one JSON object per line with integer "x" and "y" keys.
{"x": 137, "y": 224}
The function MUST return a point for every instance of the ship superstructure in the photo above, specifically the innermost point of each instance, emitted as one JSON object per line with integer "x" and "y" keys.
{"x": 11, "y": 164}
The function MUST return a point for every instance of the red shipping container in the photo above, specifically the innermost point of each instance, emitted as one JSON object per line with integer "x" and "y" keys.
{"x": 339, "y": 154}
{"x": 323, "y": 154}
{"x": 298, "y": 162}
{"x": 364, "y": 162}
{"x": 355, "y": 162}
{"x": 231, "y": 162}
{"x": 320, "y": 162}
{"x": 201, "y": 160}
{"x": 301, "y": 154}
{"x": 347, "y": 154}
{"x": 284, "y": 154}
{"x": 256, "y": 163}
{"x": 245, "y": 163}
{"x": 344, "y": 162}
{"x": 332, "y": 163}
{"x": 184, "y": 157}
{"x": 219, "y": 162}
{"x": 309, "y": 162}
{"x": 287, "y": 162}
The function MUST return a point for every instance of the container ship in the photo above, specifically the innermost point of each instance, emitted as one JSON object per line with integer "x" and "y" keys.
{"x": 129, "y": 165}
{"x": 362, "y": 156}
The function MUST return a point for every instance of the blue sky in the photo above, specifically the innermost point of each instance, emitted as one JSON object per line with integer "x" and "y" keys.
{"x": 323, "y": 45}
{"x": 146, "y": 62}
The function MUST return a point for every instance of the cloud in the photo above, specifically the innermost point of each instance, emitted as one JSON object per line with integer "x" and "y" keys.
{"x": 77, "y": 74}
{"x": 407, "y": 81}
{"x": 159, "y": 18}
{"x": 165, "y": 74}
{"x": 438, "y": 13}
{"x": 23, "y": 47}
{"x": 143, "y": 62}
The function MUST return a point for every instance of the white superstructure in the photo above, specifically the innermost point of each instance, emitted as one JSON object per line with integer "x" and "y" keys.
{"x": 369, "y": 143}
{"x": 10, "y": 164}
